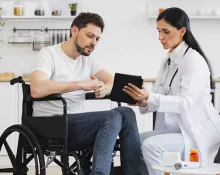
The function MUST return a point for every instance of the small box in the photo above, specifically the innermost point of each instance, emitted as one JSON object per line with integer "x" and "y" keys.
{"x": 170, "y": 157}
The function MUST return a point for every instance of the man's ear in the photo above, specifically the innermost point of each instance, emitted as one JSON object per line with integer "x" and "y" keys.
{"x": 74, "y": 31}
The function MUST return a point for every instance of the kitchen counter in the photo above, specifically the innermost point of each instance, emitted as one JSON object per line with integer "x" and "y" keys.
{"x": 6, "y": 77}
{"x": 27, "y": 79}
{"x": 9, "y": 76}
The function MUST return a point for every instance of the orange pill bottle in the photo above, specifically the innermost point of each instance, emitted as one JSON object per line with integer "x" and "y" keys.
{"x": 193, "y": 157}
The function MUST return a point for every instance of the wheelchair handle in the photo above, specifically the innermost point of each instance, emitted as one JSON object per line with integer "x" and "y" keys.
{"x": 17, "y": 80}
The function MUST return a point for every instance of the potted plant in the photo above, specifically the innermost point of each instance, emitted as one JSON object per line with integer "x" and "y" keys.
{"x": 73, "y": 9}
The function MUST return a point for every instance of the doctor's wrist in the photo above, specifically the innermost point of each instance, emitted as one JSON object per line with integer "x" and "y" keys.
{"x": 143, "y": 103}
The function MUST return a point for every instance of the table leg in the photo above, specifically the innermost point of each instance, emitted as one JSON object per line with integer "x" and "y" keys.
{"x": 166, "y": 173}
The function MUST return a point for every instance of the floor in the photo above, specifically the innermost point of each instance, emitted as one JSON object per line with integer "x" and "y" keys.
{"x": 53, "y": 169}
{"x": 50, "y": 171}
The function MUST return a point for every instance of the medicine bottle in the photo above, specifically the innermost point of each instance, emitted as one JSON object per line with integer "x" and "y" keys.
{"x": 193, "y": 155}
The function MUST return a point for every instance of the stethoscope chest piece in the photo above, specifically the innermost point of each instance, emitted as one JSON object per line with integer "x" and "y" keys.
{"x": 167, "y": 92}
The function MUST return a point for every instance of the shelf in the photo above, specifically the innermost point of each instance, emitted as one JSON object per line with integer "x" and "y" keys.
{"x": 194, "y": 9}
{"x": 19, "y": 42}
{"x": 193, "y": 17}
{"x": 36, "y": 17}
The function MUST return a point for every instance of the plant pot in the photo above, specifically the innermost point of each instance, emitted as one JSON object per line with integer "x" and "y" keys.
{"x": 73, "y": 13}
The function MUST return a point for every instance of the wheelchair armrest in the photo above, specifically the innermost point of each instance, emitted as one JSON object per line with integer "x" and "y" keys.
{"x": 50, "y": 98}
{"x": 47, "y": 98}
{"x": 91, "y": 96}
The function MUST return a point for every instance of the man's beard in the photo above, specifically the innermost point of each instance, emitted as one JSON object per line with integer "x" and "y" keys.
{"x": 80, "y": 49}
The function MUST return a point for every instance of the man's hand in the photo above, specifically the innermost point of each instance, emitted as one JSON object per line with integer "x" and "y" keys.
{"x": 98, "y": 87}
{"x": 90, "y": 85}
{"x": 141, "y": 95}
{"x": 100, "y": 91}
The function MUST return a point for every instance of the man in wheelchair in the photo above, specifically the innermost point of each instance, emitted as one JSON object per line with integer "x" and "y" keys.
{"x": 67, "y": 68}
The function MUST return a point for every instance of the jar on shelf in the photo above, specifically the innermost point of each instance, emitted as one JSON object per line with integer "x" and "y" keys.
{"x": 160, "y": 10}
{"x": 56, "y": 12}
{"x": 19, "y": 8}
{"x": 39, "y": 11}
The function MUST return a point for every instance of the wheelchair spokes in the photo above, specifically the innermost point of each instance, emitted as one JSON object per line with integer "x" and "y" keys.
{"x": 28, "y": 149}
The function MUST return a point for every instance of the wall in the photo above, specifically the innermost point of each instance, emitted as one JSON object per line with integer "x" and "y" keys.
{"x": 130, "y": 38}
{"x": 129, "y": 43}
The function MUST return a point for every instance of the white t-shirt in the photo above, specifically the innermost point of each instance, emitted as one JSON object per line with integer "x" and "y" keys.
{"x": 59, "y": 67}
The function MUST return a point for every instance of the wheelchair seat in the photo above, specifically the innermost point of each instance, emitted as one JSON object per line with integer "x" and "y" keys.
{"x": 39, "y": 136}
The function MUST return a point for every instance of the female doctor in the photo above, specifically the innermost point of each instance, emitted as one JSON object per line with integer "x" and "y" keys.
{"x": 186, "y": 118}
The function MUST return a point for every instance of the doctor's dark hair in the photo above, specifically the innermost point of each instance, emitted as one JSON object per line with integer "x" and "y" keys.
{"x": 85, "y": 18}
{"x": 178, "y": 18}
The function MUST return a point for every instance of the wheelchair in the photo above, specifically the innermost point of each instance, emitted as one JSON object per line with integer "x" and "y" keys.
{"x": 35, "y": 140}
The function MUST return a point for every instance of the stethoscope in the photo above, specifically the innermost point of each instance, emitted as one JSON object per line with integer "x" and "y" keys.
{"x": 167, "y": 92}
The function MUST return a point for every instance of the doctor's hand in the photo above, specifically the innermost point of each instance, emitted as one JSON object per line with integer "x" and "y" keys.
{"x": 141, "y": 95}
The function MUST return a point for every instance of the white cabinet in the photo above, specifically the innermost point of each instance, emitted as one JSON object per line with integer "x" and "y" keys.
{"x": 97, "y": 105}
{"x": 8, "y": 109}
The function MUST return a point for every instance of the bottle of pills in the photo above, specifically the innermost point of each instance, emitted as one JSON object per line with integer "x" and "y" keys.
{"x": 193, "y": 157}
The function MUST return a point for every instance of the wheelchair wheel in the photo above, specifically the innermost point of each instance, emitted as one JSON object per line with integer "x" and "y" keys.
{"x": 27, "y": 145}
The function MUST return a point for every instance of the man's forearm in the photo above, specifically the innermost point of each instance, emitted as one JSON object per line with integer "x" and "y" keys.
{"x": 43, "y": 88}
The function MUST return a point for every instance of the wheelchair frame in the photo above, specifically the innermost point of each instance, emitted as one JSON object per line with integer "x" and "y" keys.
{"x": 32, "y": 144}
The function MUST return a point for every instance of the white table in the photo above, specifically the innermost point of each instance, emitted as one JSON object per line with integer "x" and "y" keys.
{"x": 213, "y": 169}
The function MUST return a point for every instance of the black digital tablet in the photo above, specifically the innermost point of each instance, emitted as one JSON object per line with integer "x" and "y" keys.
{"x": 121, "y": 80}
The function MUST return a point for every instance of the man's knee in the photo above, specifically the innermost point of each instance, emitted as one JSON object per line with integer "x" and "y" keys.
{"x": 114, "y": 118}
{"x": 129, "y": 122}
{"x": 126, "y": 112}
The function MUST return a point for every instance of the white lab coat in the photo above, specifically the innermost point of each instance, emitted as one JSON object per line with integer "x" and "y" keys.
{"x": 188, "y": 104}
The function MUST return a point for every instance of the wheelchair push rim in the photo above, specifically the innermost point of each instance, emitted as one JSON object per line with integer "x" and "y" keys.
{"x": 18, "y": 159}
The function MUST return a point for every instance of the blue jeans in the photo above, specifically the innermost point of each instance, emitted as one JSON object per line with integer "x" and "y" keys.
{"x": 100, "y": 130}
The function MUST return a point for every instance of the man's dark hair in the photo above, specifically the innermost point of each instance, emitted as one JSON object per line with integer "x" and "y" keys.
{"x": 83, "y": 19}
